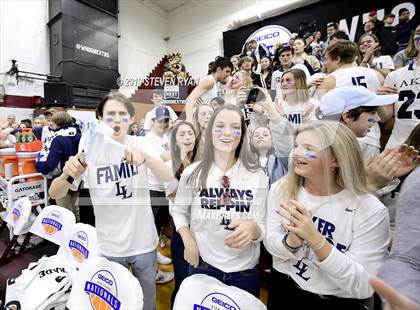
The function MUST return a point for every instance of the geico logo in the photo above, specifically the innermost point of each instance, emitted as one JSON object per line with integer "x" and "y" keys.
{"x": 223, "y": 304}
{"x": 81, "y": 237}
{"x": 268, "y": 36}
{"x": 105, "y": 279}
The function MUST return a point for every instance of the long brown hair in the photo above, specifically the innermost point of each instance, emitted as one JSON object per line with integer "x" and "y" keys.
{"x": 410, "y": 50}
{"x": 301, "y": 86}
{"x": 178, "y": 165}
{"x": 377, "y": 53}
{"x": 198, "y": 178}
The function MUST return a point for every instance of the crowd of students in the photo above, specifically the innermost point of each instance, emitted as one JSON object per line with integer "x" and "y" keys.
{"x": 302, "y": 169}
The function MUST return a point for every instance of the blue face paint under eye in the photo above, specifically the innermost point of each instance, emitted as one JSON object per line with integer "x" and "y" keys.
{"x": 371, "y": 120}
{"x": 217, "y": 130}
{"x": 237, "y": 133}
{"x": 109, "y": 119}
{"x": 125, "y": 119}
{"x": 313, "y": 156}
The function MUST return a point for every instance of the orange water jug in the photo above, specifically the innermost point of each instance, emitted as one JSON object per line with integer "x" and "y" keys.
{"x": 8, "y": 156}
{"x": 26, "y": 164}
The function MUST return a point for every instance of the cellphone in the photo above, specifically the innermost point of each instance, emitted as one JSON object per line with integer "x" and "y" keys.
{"x": 253, "y": 96}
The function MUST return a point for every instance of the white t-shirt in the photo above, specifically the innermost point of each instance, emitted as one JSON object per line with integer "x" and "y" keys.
{"x": 384, "y": 62}
{"x": 160, "y": 145}
{"x": 209, "y": 219}
{"x": 148, "y": 119}
{"x": 221, "y": 90}
{"x": 365, "y": 77}
{"x": 407, "y": 108}
{"x": 356, "y": 225}
{"x": 211, "y": 93}
{"x": 294, "y": 112}
{"x": 121, "y": 201}
{"x": 44, "y": 283}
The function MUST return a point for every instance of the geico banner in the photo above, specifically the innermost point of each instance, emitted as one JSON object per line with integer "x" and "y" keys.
{"x": 350, "y": 15}
{"x": 271, "y": 36}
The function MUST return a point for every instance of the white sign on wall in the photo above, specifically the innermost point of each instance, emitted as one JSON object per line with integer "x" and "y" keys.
{"x": 83, "y": 118}
{"x": 271, "y": 36}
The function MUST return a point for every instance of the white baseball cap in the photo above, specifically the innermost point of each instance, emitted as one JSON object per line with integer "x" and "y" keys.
{"x": 343, "y": 99}
{"x": 103, "y": 284}
{"x": 53, "y": 223}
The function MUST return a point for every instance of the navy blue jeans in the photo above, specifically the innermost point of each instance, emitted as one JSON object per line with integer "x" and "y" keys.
{"x": 247, "y": 280}
{"x": 179, "y": 263}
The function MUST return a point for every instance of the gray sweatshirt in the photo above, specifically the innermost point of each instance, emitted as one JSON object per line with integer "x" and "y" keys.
{"x": 401, "y": 268}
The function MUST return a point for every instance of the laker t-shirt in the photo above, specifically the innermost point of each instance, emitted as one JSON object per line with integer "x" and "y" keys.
{"x": 209, "y": 217}
{"x": 294, "y": 113}
{"x": 120, "y": 196}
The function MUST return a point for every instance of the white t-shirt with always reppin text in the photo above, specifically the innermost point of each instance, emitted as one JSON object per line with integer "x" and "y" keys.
{"x": 120, "y": 197}
{"x": 356, "y": 225}
{"x": 208, "y": 219}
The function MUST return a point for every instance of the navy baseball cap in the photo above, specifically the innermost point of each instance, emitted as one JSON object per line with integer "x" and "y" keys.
{"x": 162, "y": 113}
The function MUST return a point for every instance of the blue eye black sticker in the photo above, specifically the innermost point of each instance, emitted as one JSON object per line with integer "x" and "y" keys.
{"x": 237, "y": 133}
{"x": 313, "y": 156}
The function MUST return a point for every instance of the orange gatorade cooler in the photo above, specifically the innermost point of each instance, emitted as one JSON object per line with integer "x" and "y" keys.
{"x": 8, "y": 156}
{"x": 26, "y": 163}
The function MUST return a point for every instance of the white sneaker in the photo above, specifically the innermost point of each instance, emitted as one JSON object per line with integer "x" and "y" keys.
{"x": 163, "y": 277}
{"x": 163, "y": 260}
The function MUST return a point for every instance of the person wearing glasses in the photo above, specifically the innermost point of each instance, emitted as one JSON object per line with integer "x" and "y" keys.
{"x": 219, "y": 207}
{"x": 326, "y": 233}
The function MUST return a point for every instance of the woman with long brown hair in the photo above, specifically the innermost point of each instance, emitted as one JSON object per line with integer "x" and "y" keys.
{"x": 296, "y": 105}
{"x": 183, "y": 153}
{"x": 219, "y": 207}
{"x": 371, "y": 56}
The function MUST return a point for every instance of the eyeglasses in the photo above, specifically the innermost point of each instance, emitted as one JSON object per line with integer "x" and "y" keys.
{"x": 226, "y": 198}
